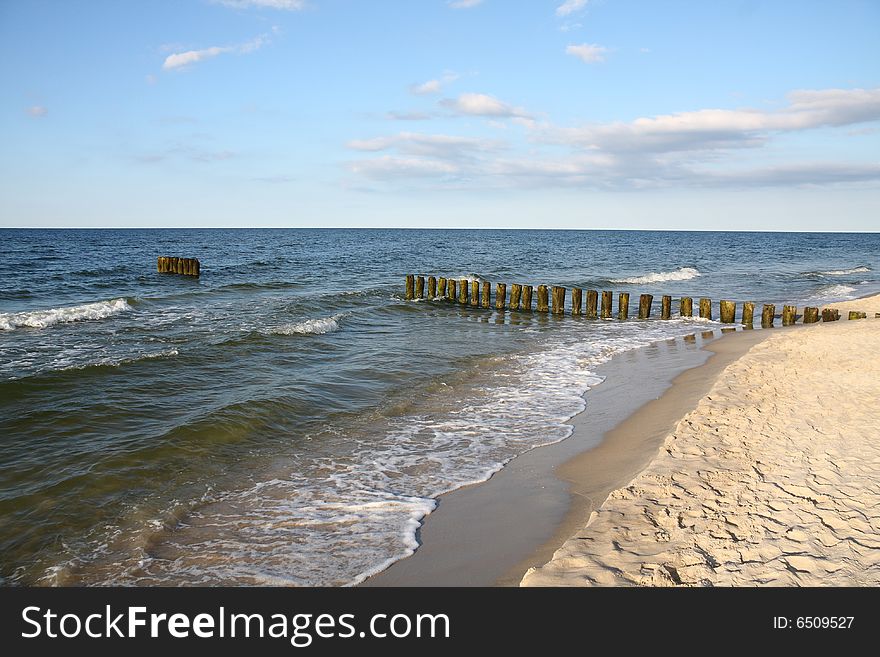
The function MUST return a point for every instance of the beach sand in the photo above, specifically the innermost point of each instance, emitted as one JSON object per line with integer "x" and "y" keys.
{"x": 773, "y": 479}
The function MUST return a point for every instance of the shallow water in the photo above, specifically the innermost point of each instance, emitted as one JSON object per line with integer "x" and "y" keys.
{"x": 288, "y": 417}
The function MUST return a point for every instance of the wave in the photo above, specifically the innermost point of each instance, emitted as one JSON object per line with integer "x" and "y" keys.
{"x": 309, "y": 327}
{"x": 834, "y": 293}
{"x": 45, "y": 318}
{"x": 117, "y": 362}
{"x": 682, "y": 274}
{"x": 844, "y": 272}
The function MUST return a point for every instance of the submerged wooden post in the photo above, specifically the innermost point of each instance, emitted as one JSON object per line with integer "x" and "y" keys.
{"x": 728, "y": 311}
{"x": 623, "y": 305}
{"x": 789, "y": 315}
{"x": 410, "y": 287}
{"x": 515, "y": 294}
{"x": 592, "y": 304}
{"x": 500, "y": 295}
{"x": 486, "y": 293}
{"x": 706, "y": 308}
{"x": 526, "y": 300}
{"x": 475, "y": 293}
{"x": 686, "y": 307}
{"x": 748, "y": 317}
{"x": 543, "y": 305}
{"x": 606, "y": 304}
{"x": 441, "y": 287}
{"x": 645, "y": 301}
{"x": 767, "y": 315}
{"x": 666, "y": 307}
{"x": 420, "y": 287}
{"x": 558, "y": 299}
{"x": 811, "y": 315}
{"x": 463, "y": 291}
{"x": 577, "y": 296}
{"x": 451, "y": 289}
{"x": 432, "y": 287}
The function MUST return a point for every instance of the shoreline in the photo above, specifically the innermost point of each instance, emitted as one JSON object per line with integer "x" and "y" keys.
{"x": 760, "y": 483}
{"x": 490, "y": 533}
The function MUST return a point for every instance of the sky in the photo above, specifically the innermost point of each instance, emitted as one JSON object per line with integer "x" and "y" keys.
{"x": 621, "y": 114}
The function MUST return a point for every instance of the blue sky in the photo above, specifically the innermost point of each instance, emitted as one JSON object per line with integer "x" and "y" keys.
{"x": 435, "y": 113}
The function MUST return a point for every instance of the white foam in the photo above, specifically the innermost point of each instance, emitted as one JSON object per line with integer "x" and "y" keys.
{"x": 834, "y": 293}
{"x": 844, "y": 272}
{"x": 44, "y": 318}
{"x": 682, "y": 274}
{"x": 310, "y": 327}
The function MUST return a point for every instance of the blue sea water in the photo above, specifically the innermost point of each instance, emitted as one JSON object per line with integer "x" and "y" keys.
{"x": 288, "y": 417}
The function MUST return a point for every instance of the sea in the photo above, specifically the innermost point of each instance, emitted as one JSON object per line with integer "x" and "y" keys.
{"x": 289, "y": 418}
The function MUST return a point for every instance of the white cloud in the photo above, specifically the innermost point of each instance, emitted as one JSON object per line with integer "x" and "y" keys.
{"x": 390, "y": 167}
{"x": 190, "y": 57}
{"x": 464, "y": 4}
{"x": 414, "y": 143}
{"x": 433, "y": 86}
{"x": 407, "y": 116}
{"x": 37, "y": 111}
{"x": 570, "y": 6}
{"x": 286, "y": 5}
{"x": 591, "y": 53}
{"x": 482, "y": 105}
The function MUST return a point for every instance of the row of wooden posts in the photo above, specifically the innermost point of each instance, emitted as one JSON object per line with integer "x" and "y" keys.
{"x": 552, "y": 300}
{"x": 184, "y": 266}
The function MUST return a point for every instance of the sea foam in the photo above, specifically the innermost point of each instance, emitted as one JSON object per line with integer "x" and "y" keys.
{"x": 682, "y": 274}
{"x": 844, "y": 272}
{"x": 310, "y": 327}
{"x": 45, "y": 318}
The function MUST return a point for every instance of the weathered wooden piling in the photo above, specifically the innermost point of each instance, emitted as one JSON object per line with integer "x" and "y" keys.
{"x": 452, "y": 289}
{"x": 463, "y": 291}
{"x": 592, "y": 304}
{"x": 486, "y": 293}
{"x": 441, "y": 287}
{"x": 767, "y": 315}
{"x": 686, "y": 307}
{"x": 623, "y": 305}
{"x": 606, "y": 304}
{"x": 500, "y": 295}
{"x": 577, "y": 299}
{"x": 645, "y": 301}
{"x": 558, "y": 300}
{"x": 525, "y": 302}
{"x": 543, "y": 304}
{"x": 183, "y": 266}
{"x": 748, "y": 317}
{"x": 811, "y": 315}
{"x": 432, "y": 287}
{"x": 420, "y": 287}
{"x": 855, "y": 314}
{"x": 830, "y": 315}
{"x": 515, "y": 294}
{"x": 789, "y": 315}
{"x": 706, "y": 308}
{"x": 666, "y": 307}
{"x": 410, "y": 287}
{"x": 727, "y": 310}
{"x": 475, "y": 293}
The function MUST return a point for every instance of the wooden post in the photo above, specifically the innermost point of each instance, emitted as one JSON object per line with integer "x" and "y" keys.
{"x": 789, "y": 315}
{"x": 526, "y": 301}
{"x": 432, "y": 287}
{"x": 410, "y": 286}
{"x": 592, "y": 304}
{"x": 515, "y": 294}
{"x": 686, "y": 307}
{"x": 451, "y": 291}
{"x": 159, "y": 264}
{"x": 811, "y": 315}
{"x": 558, "y": 299}
{"x": 577, "y": 296}
{"x": 666, "y": 307}
{"x": 543, "y": 305}
{"x": 748, "y": 317}
{"x": 463, "y": 291}
{"x": 767, "y": 315}
{"x": 500, "y": 295}
{"x": 645, "y": 301}
{"x": 197, "y": 268}
{"x": 623, "y": 305}
{"x": 855, "y": 314}
{"x": 606, "y": 304}
{"x": 475, "y": 293}
{"x": 486, "y": 293}
{"x": 188, "y": 268}
{"x": 728, "y": 311}
{"x": 420, "y": 287}
{"x": 441, "y": 287}
{"x": 706, "y": 308}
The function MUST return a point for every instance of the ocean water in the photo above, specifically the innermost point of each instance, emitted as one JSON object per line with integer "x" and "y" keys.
{"x": 288, "y": 418}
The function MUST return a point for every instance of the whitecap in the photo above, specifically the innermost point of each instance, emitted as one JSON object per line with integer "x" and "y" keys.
{"x": 309, "y": 327}
{"x": 681, "y": 274}
{"x": 44, "y": 318}
{"x": 844, "y": 272}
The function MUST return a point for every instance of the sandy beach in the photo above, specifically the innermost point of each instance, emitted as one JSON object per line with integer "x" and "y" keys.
{"x": 772, "y": 479}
